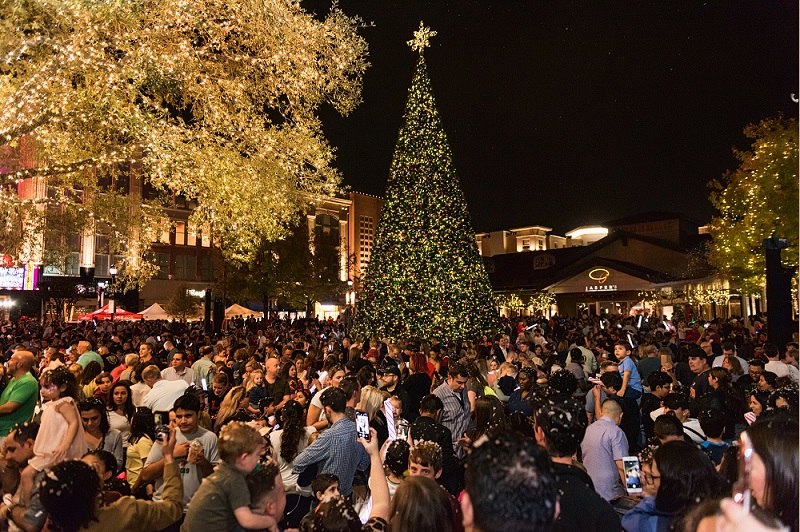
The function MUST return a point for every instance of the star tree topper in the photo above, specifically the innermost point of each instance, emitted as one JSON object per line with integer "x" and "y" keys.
{"x": 421, "y": 38}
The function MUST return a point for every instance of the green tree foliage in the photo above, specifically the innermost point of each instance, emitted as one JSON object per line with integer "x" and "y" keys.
{"x": 287, "y": 271}
{"x": 757, "y": 200}
{"x": 181, "y": 305}
{"x": 425, "y": 275}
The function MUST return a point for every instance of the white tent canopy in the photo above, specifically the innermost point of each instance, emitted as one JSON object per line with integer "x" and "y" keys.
{"x": 238, "y": 310}
{"x": 155, "y": 312}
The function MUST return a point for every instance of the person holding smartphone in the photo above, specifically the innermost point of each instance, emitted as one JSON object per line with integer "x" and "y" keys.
{"x": 336, "y": 450}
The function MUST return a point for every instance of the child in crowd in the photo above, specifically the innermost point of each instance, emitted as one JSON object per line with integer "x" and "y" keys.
{"x": 61, "y": 432}
{"x": 223, "y": 499}
{"x": 257, "y": 392}
{"x": 325, "y": 488}
{"x": 713, "y": 424}
{"x": 396, "y": 463}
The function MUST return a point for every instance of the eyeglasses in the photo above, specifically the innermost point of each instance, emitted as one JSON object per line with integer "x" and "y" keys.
{"x": 650, "y": 479}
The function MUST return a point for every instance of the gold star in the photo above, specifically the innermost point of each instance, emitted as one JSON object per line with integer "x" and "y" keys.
{"x": 421, "y": 38}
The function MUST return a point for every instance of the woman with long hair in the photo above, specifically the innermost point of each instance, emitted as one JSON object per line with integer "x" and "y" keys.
{"x": 417, "y": 384}
{"x": 143, "y": 435}
{"x": 287, "y": 442}
{"x": 682, "y": 476}
{"x": 97, "y": 430}
{"x": 420, "y": 504}
{"x": 316, "y": 416}
{"x": 732, "y": 364}
{"x": 371, "y": 402}
{"x": 232, "y": 408}
{"x": 490, "y": 415}
{"x": 120, "y": 410}
{"x": 87, "y": 378}
{"x": 773, "y": 478}
{"x": 758, "y": 402}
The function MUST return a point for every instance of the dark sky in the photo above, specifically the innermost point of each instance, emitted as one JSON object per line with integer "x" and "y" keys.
{"x": 565, "y": 113}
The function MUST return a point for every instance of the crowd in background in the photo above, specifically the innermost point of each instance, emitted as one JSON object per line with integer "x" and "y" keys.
{"x": 562, "y": 423}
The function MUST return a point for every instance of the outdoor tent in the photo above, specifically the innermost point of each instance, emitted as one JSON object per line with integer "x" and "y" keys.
{"x": 238, "y": 310}
{"x": 106, "y": 314}
{"x": 155, "y": 312}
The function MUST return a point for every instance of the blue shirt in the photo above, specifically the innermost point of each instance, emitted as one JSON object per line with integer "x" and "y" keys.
{"x": 603, "y": 444}
{"x": 338, "y": 452}
{"x": 634, "y": 381}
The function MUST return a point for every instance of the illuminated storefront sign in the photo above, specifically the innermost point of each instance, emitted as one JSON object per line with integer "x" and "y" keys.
{"x": 600, "y": 275}
{"x": 602, "y": 288}
{"x": 12, "y": 278}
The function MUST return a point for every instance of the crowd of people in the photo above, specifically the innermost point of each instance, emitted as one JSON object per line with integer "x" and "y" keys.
{"x": 632, "y": 423}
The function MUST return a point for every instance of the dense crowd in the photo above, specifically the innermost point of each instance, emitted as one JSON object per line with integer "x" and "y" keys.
{"x": 577, "y": 423}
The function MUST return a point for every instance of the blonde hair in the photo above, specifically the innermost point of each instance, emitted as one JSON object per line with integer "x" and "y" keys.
{"x": 371, "y": 400}
{"x": 249, "y": 380}
{"x": 230, "y": 405}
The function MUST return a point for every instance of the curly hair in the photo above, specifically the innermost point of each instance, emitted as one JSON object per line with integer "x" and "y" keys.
{"x": 294, "y": 431}
{"x": 70, "y": 492}
{"x": 396, "y": 460}
{"x": 563, "y": 381}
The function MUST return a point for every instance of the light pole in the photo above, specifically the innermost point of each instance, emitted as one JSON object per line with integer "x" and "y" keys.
{"x": 112, "y": 302}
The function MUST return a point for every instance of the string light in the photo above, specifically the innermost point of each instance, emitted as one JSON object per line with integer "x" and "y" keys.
{"x": 215, "y": 101}
{"x": 754, "y": 202}
{"x": 425, "y": 277}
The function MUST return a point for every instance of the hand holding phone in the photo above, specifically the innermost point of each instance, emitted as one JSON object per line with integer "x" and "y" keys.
{"x": 362, "y": 424}
{"x": 633, "y": 474}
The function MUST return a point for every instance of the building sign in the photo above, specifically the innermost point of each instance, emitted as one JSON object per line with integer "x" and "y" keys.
{"x": 542, "y": 262}
{"x": 602, "y": 288}
{"x": 12, "y": 278}
{"x": 600, "y": 275}
{"x": 195, "y": 293}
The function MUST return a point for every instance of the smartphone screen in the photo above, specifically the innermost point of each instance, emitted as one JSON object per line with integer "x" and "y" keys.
{"x": 633, "y": 474}
{"x": 204, "y": 384}
{"x": 362, "y": 424}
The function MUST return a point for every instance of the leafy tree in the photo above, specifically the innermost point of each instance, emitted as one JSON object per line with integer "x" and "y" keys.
{"x": 755, "y": 201}
{"x": 213, "y": 100}
{"x": 181, "y": 305}
{"x": 425, "y": 277}
{"x": 287, "y": 271}
{"x": 60, "y": 295}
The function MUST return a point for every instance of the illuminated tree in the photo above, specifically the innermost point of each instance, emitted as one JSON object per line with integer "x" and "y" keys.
{"x": 755, "y": 201}
{"x": 425, "y": 277}
{"x": 209, "y": 99}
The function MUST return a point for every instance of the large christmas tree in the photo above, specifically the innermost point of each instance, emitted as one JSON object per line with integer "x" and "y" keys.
{"x": 425, "y": 276}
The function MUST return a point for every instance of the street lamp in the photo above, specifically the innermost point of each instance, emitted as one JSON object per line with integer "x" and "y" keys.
{"x": 112, "y": 302}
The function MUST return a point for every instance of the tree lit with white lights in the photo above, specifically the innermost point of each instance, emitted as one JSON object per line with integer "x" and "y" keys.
{"x": 216, "y": 101}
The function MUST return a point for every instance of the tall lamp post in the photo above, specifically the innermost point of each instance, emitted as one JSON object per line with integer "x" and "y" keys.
{"x": 112, "y": 302}
{"x": 350, "y": 300}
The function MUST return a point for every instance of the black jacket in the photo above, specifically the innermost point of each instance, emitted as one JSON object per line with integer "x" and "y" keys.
{"x": 582, "y": 509}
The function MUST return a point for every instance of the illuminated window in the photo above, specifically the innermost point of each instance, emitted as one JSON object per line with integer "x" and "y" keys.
{"x": 180, "y": 233}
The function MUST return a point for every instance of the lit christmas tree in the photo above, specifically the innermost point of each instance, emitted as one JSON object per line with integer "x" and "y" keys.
{"x": 425, "y": 276}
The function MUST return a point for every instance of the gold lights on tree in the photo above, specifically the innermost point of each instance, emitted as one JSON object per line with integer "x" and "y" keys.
{"x": 425, "y": 276}
{"x": 756, "y": 201}
{"x": 422, "y": 38}
{"x": 212, "y": 100}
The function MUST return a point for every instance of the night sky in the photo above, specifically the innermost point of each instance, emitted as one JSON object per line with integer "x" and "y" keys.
{"x": 566, "y": 113}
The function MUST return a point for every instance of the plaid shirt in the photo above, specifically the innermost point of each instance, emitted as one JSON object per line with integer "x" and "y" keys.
{"x": 455, "y": 415}
{"x": 338, "y": 452}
